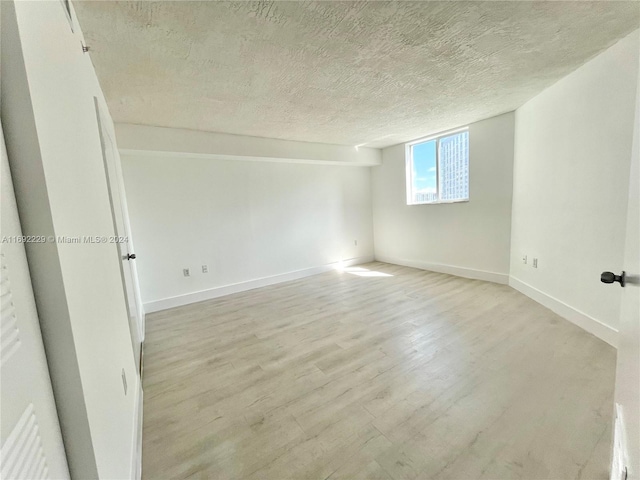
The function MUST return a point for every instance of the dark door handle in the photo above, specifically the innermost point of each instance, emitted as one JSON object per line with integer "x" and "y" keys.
{"x": 610, "y": 277}
{"x": 132, "y": 256}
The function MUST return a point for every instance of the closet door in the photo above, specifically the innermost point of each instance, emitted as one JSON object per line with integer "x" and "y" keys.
{"x": 31, "y": 443}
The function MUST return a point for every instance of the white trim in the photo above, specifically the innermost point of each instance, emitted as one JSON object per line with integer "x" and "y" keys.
{"x": 472, "y": 273}
{"x": 596, "y": 327}
{"x": 143, "y": 319}
{"x": 136, "y": 454}
{"x": 438, "y": 202}
{"x": 187, "y": 298}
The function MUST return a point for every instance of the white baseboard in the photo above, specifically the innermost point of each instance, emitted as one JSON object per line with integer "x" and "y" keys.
{"x": 202, "y": 295}
{"x": 575, "y": 316}
{"x": 494, "y": 277}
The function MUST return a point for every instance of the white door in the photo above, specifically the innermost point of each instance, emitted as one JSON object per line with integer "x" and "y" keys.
{"x": 626, "y": 452}
{"x": 122, "y": 232}
{"x": 30, "y": 436}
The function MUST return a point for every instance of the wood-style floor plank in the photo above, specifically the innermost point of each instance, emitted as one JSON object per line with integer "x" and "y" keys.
{"x": 375, "y": 372}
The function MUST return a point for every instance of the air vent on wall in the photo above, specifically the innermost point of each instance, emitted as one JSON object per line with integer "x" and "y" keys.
{"x": 9, "y": 333}
{"x": 22, "y": 454}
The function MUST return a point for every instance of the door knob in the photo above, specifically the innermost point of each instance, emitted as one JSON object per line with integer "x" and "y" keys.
{"x": 610, "y": 277}
{"x": 132, "y": 256}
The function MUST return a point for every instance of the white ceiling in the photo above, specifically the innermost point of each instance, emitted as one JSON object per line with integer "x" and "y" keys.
{"x": 373, "y": 73}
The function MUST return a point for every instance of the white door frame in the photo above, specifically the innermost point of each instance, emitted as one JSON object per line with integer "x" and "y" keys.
{"x": 121, "y": 227}
{"x": 626, "y": 444}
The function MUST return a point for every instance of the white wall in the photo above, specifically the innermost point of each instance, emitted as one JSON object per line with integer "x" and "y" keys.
{"x": 469, "y": 239}
{"x": 48, "y": 89}
{"x": 246, "y": 220}
{"x": 572, "y": 154}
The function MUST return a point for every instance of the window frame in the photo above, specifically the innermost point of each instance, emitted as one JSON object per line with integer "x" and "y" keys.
{"x": 408, "y": 155}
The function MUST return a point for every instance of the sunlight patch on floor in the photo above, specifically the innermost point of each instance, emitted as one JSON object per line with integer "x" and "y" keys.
{"x": 364, "y": 272}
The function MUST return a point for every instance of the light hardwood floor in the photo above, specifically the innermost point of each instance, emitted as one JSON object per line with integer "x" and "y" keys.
{"x": 349, "y": 375}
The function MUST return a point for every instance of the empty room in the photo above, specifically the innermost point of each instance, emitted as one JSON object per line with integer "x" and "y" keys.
{"x": 320, "y": 240}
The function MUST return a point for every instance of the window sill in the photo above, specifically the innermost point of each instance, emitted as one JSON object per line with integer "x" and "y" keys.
{"x": 439, "y": 202}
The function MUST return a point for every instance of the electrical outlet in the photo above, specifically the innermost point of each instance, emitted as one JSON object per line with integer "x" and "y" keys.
{"x": 186, "y": 272}
{"x": 124, "y": 381}
{"x": 524, "y": 259}
{"x": 535, "y": 263}
{"x": 205, "y": 269}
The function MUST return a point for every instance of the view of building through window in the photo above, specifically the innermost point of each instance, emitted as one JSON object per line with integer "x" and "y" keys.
{"x": 438, "y": 170}
{"x": 454, "y": 167}
{"x": 425, "y": 171}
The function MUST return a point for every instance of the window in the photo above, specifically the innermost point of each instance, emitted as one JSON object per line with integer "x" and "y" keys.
{"x": 438, "y": 169}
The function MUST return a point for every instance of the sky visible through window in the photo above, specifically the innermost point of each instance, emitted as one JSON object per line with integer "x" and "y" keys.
{"x": 424, "y": 167}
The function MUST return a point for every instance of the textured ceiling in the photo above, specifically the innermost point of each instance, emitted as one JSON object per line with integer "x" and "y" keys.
{"x": 373, "y": 73}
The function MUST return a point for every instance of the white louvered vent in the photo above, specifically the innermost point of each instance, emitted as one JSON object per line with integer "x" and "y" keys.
{"x": 9, "y": 333}
{"x": 22, "y": 455}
